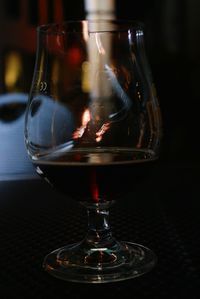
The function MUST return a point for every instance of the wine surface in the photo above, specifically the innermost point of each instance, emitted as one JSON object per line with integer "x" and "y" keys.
{"x": 96, "y": 176}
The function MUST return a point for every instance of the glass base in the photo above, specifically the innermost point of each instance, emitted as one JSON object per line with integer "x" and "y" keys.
{"x": 99, "y": 265}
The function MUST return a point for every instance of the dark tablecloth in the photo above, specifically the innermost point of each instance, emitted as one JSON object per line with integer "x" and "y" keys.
{"x": 162, "y": 213}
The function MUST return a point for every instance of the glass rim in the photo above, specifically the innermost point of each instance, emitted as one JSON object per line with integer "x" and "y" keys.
{"x": 122, "y": 25}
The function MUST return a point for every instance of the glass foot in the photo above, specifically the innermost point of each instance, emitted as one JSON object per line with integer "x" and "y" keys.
{"x": 99, "y": 265}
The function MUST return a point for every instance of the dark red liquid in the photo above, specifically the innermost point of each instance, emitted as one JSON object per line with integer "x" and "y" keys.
{"x": 96, "y": 177}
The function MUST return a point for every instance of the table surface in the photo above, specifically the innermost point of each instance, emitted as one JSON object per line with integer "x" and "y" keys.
{"x": 162, "y": 213}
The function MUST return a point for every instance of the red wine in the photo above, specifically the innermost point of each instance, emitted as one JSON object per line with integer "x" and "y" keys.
{"x": 96, "y": 176}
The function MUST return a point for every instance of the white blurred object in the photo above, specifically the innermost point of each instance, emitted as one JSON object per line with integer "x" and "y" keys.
{"x": 100, "y": 9}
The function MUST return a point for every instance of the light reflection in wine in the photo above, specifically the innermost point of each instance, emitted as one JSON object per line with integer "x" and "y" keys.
{"x": 94, "y": 187}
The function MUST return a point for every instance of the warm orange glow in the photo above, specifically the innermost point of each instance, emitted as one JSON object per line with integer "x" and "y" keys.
{"x": 13, "y": 70}
{"x": 85, "y": 120}
{"x": 102, "y": 130}
{"x": 85, "y": 117}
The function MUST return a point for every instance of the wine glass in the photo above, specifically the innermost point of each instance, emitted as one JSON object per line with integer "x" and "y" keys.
{"x": 92, "y": 127}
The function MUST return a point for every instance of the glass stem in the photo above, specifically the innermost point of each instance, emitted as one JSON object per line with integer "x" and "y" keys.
{"x": 99, "y": 232}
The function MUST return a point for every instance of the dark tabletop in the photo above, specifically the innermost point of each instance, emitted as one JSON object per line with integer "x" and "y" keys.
{"x": 162, "y": 213}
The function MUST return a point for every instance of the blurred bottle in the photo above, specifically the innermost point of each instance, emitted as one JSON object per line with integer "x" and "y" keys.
{"x": 104, "y": 9}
